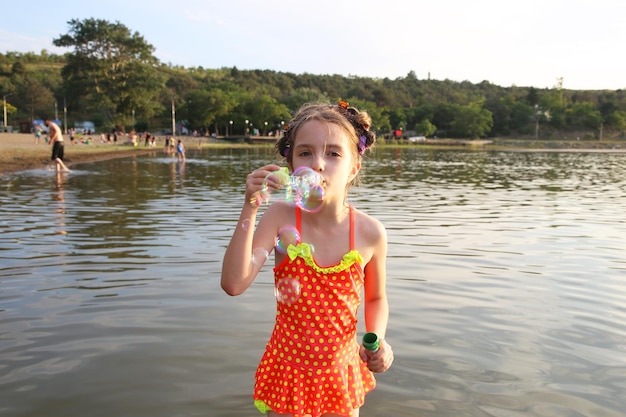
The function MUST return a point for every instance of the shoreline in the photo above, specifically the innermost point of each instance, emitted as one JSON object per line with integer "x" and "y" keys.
{"x": 18, "y": 151}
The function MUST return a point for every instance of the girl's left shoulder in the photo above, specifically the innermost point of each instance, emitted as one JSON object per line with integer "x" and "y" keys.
{"x": 370, "y": 228}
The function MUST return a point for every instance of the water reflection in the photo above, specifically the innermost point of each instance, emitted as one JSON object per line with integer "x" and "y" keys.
{"x": 506, "y": 281}
{"x": 58, "y": 197}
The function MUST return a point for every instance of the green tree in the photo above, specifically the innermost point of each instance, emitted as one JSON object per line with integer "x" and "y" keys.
{"x": 32, "y": 99}
{"x": 584, "y": 115}
{"x": 426, "y": 128}
{"x": 261, "y": 109}
{"x": 397, "y": 118}
{"x": 553, "y": 109}
{"x": 522, "y": 117}
{"x": 111, "y": 71}
{"x": 99, "y": 80}
{"x": 205, "y": 107}
{"x": 293, "y": 99}
{"x": 472, "y": 120}
{"x": 616, "y": 120}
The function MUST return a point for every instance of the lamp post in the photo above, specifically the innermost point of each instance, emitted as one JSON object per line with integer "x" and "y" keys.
{"x": 65, "y": 115}
{"x": 245, "y": 128}
{"x": 265, "y": 131}
{"x": 133, "y": 112}
{"x": 231, "y": 127}
{"x": 601, "y": 130}
{"x": 173, "y": 118}
{"x": 5, "y": 111}
{"x": 536, "y": 122}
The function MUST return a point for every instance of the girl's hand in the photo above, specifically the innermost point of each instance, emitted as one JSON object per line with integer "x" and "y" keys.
{"x": 379, "y": 361}
{"x": 256, "y": 183}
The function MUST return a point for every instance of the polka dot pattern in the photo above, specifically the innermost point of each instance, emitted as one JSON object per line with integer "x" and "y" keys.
{"x": 311, "y": 364}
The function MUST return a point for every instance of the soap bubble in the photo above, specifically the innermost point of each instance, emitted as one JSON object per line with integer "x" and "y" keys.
{"x": 306, "y": 189}
{"x": 303, "y": 188}
{"x": 272, "y": 183}
{"x": 282, "y": 176}
{"x": 287, "y": 235}
{"x": 278, "y": 180}
{"x": 314, "y": 199}
{"x": 259, "y": 256}
{"x": 287, "y": 290}
{"x": 245, "y": 224}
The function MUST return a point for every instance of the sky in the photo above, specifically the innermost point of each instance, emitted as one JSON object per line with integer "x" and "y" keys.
{"x": 505, "y": 42}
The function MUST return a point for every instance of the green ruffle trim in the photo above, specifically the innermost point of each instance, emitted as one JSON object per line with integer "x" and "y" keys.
{"x": 262, "y": 407}
{"x": 303, "y": 250}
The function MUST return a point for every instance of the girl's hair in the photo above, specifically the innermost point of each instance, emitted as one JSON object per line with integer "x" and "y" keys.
{"x": 354, "y": 122}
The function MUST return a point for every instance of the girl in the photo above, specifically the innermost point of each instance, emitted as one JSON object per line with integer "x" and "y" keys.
{"x": 313, "y": 365}
{"x": 180, "y": 151}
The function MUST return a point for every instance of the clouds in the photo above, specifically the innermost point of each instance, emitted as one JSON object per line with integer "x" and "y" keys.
{"x": 525, "y": 43}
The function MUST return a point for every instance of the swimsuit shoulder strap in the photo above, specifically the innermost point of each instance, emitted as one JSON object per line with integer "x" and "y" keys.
{"x": 351, "y": 227}
{"x": 298, "y": 220}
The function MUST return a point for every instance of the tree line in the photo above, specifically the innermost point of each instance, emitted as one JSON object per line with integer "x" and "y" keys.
{"x": 111, "y": 77}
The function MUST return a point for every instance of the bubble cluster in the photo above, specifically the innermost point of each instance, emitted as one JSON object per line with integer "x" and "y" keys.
{"x": 287, "y": 235}
{"x": 303, "y": 188}
{"x": 287, "y": 290}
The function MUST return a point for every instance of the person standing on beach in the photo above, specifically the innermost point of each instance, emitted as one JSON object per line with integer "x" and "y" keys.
{"x": 37, "y": 134}
{"x": 56, "y": 139}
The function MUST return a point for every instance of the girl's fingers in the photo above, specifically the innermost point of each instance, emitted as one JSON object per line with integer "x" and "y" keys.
{"x": 379, "y": 361}
{"x": 257, "y": 180}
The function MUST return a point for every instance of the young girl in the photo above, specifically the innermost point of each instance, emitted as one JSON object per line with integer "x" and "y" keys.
{"x": 180, "y": 151}
{"x": 313, "y": 363}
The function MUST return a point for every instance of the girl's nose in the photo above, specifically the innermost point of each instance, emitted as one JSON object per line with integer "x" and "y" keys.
{"x": 318, "y": 164}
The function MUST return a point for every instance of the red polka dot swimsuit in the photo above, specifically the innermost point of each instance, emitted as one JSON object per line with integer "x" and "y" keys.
{"x": 311, "y": 365}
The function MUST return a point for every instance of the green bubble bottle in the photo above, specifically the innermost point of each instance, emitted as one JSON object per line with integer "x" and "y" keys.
{"x": 371, "y": 342}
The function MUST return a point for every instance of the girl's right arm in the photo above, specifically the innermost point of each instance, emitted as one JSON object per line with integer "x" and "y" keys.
{"x": 239, "y": 268}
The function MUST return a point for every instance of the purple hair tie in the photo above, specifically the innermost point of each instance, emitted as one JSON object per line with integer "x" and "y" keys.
{"x": 362, "y": 144}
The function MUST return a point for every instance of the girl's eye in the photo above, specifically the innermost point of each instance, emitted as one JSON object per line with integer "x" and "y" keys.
{"x": 304, "y": 153}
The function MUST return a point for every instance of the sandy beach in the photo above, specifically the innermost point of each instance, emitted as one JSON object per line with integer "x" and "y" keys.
{"x": 18, "y": 152}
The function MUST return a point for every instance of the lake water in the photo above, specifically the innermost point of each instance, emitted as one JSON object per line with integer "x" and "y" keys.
{"x": 506, "y": 281}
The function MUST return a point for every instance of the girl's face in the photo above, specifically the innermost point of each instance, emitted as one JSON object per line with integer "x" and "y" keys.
{"x": 327, "y": 149}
